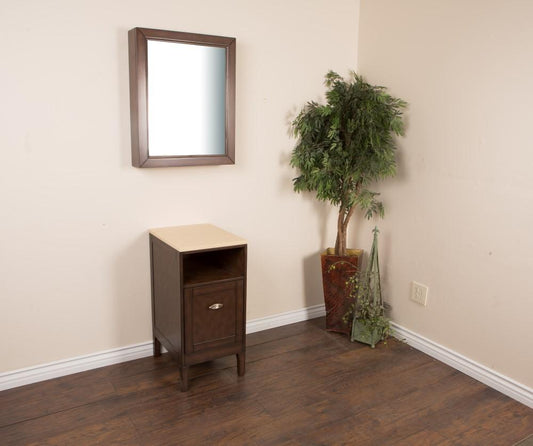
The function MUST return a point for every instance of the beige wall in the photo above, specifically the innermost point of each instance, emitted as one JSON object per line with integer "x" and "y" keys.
{"x": 460, "y": 213}
{"x": 73, "y": 244}
{"x": 73, "y": 241}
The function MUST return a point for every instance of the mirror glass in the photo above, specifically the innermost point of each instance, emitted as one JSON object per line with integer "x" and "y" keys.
{"x": 186, "y": 99}
{"x": 182, "y": 95}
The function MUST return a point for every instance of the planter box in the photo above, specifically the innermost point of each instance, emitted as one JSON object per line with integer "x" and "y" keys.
{"x": 336, "y": 270}
{"x": 361, "y": 332}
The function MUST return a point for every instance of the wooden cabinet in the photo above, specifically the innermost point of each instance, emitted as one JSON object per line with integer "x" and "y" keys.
{"x": 198, "y": 295}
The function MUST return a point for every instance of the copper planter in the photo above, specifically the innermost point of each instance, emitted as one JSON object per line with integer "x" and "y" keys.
{"x": 336, "y": 270}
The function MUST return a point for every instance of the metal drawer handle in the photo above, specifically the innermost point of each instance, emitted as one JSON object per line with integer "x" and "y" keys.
{"x": 216, "y": 306}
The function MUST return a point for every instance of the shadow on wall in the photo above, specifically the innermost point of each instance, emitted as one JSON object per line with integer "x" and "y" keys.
{"x": 123, "y": 96}
{"x": 313, "y": 294}
{"x": 312, "y": 273}
{"x": 311, "y": 264}
{"x": 131, "y": 283}
{"x": 323, "y": 212}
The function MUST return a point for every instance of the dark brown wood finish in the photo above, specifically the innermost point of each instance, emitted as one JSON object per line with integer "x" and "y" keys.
{"x": 138, "y": 73}
{"x": 336, "y": 272}
{"x": 304, "y": 386}
{"x": 167, "y": 302}
{"x": 198, "y": 304}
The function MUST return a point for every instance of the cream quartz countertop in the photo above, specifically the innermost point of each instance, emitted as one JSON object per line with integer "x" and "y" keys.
{"x": 196, "y": 237}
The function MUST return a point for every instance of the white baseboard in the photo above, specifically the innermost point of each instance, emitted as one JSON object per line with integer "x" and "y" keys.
{"x": 471, "y": 368}
{"x": 290, "y": 317}
{"x": 481, "y": 373}
{"x": 64, "y": 367}
{"x": 56, "y": 369}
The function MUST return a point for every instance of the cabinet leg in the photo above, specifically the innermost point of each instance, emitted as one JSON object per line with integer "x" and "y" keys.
{"x": 240, "y": 364}
{"x": 184, "y": 378}
{"x": 157, "y": 347}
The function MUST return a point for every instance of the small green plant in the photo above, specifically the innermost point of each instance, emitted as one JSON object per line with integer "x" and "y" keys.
{"x": 364, "y": 309}
{"x": 367, "y": 312}
{"x": 346, "y": 145}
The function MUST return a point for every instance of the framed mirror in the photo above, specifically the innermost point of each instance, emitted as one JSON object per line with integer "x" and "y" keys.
{"x": 182, "y": 98}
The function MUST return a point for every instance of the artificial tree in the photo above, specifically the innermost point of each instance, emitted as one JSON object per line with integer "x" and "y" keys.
{"x": 345, "y": 145}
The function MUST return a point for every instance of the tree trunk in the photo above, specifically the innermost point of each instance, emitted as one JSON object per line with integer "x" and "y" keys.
{"x": 340, "y": 243}
{"x": 342, "y": 229}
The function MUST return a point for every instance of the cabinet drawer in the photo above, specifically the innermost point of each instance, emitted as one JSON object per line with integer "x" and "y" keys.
{"x": 214, "y": 315}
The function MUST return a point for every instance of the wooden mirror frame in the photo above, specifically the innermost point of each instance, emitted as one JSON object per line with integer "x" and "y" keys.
{"x": 138, "y": 61}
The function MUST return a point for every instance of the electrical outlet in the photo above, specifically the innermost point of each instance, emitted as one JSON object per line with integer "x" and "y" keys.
{"x": 419, "y": 293}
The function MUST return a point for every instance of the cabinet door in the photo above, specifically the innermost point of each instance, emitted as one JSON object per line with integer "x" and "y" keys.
{"x": 214, "y": 315}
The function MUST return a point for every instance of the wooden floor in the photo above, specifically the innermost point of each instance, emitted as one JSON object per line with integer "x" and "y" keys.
{"x": 303, "y": 386}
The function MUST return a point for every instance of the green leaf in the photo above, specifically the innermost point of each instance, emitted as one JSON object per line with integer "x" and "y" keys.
{"x": 347, "y": 144}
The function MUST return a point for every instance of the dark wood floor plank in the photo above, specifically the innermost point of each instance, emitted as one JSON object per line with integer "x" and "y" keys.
{"x": 214, "y": 425}
{"x": 54, "y": 395}
{"x": 303, "y": 386}
{"x": 116, "y": 431}
{"x": 285, "y": 331}
{"x": 163, "y": 390}
{"x": 424, "y": 437}
{"x": 40, "y": 399}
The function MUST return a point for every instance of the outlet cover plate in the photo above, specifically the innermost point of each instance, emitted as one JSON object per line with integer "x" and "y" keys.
{"x": 419, "y": 293}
